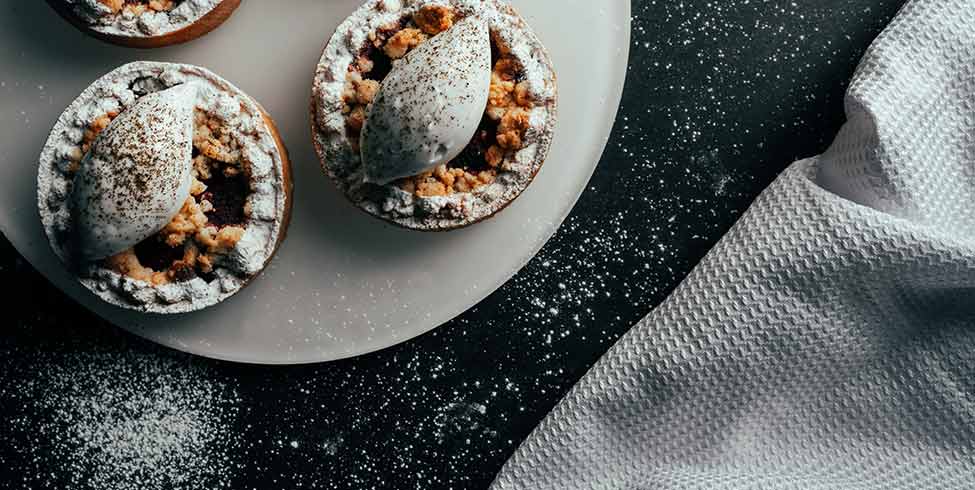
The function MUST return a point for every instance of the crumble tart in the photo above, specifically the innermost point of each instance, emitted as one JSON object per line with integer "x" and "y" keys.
{"x": 145, "y": 23}
{"x": 488, "y": 68}
{"x": 164, "y": 188}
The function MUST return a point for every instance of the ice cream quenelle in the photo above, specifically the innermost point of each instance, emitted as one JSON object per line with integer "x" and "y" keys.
{"x": 429, "y": 106}
{"x": 136, "y": 176}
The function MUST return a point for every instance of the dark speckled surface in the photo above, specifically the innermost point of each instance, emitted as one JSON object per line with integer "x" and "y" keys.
{"x": 721, "y": 97}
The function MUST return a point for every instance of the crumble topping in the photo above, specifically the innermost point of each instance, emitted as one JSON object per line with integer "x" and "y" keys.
{"x": 138, "y": 7}
{"x": 91, "y": 133}
{"x": 403, "y": 41}
{"x": 190, "y": 222}
{"x": 227, "y": 229}
{"x": 94, "y": 129}
{"x": 140, "y": 18}
{"x": 506, "y": 150}
{"x": 434, "y": 19}
{"x": 128, "y": 264}
{"x": 214, "y": 143}
{"x": 514, "y": 125}
{"x": 358, "y": 94}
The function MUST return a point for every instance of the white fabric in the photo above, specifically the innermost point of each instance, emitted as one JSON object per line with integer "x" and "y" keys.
{"x": 828, "y": 341}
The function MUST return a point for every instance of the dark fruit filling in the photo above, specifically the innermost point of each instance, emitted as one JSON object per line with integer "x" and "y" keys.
{"x": 228, "y": 195}
{"x": 156, "y": 254}
{"x": 473, "y": 156}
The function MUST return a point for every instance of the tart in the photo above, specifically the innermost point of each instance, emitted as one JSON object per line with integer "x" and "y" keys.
{"x": 145, "y": 23}
{"x": 164, "y": 188}
{"x": 433, "y": 114}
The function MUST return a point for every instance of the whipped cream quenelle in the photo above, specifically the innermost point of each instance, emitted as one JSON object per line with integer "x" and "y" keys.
{"x": 113, "y": 17}
{"x": 164, "y": 188}
{"x": 430, "y": 105}
{"x": 136, "y": 176}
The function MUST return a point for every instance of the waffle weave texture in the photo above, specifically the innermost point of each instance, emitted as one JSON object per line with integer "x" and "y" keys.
{"x": 828, "y": 341}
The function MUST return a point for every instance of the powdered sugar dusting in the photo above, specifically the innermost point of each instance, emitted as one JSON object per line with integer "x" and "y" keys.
{"x": 124, "y": 420}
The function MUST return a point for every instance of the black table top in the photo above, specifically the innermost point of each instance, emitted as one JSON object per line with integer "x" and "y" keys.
{"x": 721, "y": 97}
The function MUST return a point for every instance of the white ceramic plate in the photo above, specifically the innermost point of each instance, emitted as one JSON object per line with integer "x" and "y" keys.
{"x": 343, "y": 283}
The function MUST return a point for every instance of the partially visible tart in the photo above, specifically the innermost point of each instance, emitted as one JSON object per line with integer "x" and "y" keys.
{"x": 513, "y": 122}
{"x": 146, "y": 23}
{"x": 164, "y": 188}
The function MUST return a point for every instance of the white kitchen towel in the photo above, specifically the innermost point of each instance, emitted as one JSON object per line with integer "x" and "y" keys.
{"x": 828, "y": 341}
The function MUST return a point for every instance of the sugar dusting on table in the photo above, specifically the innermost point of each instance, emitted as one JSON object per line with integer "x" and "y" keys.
{"x": 122, "y": 420}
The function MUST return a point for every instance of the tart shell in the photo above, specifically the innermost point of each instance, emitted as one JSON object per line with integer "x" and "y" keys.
{"x": 198, "y": 28}
{"x": 283, "y": 220}
{"x": 439, "y": 225}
